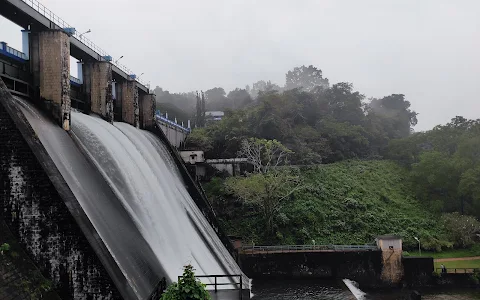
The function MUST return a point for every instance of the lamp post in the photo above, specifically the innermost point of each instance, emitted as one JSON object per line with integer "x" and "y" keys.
{"x": 118, "y": 59}
{"x": 88, "y": 31}
{"x": 419, "y": 249}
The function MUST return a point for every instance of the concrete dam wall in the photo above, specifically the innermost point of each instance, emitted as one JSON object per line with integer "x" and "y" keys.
{"x": 103, "y": 211}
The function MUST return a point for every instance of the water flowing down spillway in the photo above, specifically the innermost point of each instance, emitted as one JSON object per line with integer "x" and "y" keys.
{"x": 146, "y": 180}
{"x": 130, "y": 189}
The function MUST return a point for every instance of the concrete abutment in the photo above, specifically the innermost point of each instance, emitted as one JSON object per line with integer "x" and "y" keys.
{"x": 97, "y": 85}
{"x": 50, "y": 64}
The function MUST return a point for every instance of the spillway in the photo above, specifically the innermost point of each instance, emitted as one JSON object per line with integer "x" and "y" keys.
{"x": 144, "y": 177}
{"x": 131, "y": 190}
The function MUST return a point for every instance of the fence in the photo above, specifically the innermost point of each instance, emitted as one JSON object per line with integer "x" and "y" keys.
{"x": 236, "y": 285}
{"x": 305, "y": 248}
{"x": 458, "y": 270}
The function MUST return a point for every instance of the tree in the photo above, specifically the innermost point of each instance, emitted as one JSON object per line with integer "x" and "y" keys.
{"x": 394, "y": 113}
{"x": 216, "y": 100}
{"x": 239, "y": 98}
{"x": 267, "y": 191}
{"x": 199, "y": 139}
{"x": 267, "y": 187}
{"x": 461, "y": 228}
{"x": 435, "y": 179}
{"x": 305, "y": 78}
{"x": 263, "y": 86}
{"x": 187, "y": 288}
{"x": 264, "y": 154}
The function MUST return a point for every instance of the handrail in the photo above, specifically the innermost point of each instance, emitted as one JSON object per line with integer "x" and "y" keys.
{"x": 41, "y": 9}
{"x": 238, "y": 285}
{"x": 290, "y": 248}
{"x": 458, "y": 270}
{"x": 76, "y": 80}
{"x": 163, "y": 119}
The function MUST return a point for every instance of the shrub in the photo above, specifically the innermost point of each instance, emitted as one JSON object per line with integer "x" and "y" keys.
{"x": 4, "y": 248}
{"x": 187, "y": 288}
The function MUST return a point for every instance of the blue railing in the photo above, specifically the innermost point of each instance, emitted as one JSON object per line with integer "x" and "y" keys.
{"x": 41, "y": 9}
{"x": 161, "y": 118}
{"x": 11, "y": 52}
{"x": 75, "y": 80}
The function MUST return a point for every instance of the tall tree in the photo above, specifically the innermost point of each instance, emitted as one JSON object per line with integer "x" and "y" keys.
{"x": 305, "y": 78}
{"x": 394, "y": 113}
{"x": 268, "y": 187}
{"x": 239, "y": 98}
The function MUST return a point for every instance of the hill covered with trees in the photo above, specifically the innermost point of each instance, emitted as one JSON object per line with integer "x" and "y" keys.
{"x": 341, "y": 168}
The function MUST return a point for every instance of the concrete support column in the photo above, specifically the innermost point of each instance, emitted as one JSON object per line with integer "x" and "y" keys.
{"x": 148, "y": 106}
{"x": 97, "y": 80}
{"x": 130, "y": 108}
{"x": 25, "y": 43}
{"x": 80, "y": 71}
{"x": 54, "y": 73}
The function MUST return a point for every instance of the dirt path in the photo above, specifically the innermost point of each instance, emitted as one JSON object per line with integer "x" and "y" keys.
{"x": 456, "y": 258}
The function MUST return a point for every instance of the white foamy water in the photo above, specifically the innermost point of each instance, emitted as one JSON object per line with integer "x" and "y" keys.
{"x": 352, "y": 286}
{"x": 145, "y": 178}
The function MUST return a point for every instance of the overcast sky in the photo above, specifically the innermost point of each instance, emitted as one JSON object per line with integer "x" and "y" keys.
{"x": 428, "y": 50}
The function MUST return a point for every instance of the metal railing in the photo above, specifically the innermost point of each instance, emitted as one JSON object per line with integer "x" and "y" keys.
{"x": 236, "y": 285}
{"x": 295, "y": 248}
{"x": 16, "y": 53}
{"x": 172, "y": 123}
{"x": 75, "y": 79}
{"x": 458, "y": 270}
{"x": 41, "y": 9}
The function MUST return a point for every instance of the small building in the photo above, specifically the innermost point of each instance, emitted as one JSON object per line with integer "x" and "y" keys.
{"x": 389, "y": 242}
{"x": 193, "y": 157}
{"x": 214, "y": 115}
{"x": 392, "y": 268}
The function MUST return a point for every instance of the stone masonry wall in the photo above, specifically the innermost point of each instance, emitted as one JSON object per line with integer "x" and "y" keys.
{"x": 130, "y": 109}
{"x": 54, "y": 60}
{"x": 147, "y": 111}
{"x": 101, "y": 89}
{"x": 37, "y": 216}
{"x": 392, "y": 270}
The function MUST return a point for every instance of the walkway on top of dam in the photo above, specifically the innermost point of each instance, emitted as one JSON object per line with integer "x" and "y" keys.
{"x": 252, "y": 249}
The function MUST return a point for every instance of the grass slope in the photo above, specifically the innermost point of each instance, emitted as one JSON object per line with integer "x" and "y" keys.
{"x": 349, "y": 202}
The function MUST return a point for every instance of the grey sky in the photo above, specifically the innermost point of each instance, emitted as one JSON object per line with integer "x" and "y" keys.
{"x": 428, "y": 50}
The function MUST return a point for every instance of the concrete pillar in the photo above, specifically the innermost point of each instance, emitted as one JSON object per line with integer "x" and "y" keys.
{"x": 97, "y": 80}
{"x": 114, "y": 90}
{"x": 130, "y": 109}
{"x": 80, "y": 71}
{"x": 148, "y": 111}
{"x": 53, "y": 61}
{"x": 25, "y": 43}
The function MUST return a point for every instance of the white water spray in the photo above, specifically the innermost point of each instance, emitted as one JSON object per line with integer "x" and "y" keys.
{"x": 353, "y": 287}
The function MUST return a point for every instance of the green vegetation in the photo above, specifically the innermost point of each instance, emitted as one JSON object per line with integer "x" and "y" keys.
{"x": 459, "y": 264}
{"x": 349, "y": 202}
{"x": 424, "y": 184}
{"x": 449, "y": 253}
{"x": 187, "y": 288}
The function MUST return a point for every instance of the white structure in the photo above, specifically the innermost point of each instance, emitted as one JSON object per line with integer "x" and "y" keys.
{"x": 214, "y": 115}
{"x": 192, "y": 157}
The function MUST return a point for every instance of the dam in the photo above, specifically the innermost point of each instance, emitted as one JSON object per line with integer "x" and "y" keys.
{"x": 125, "y": 192}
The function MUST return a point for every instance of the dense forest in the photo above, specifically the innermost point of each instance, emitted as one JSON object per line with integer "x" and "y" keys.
{"x": 335, "y": 167}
